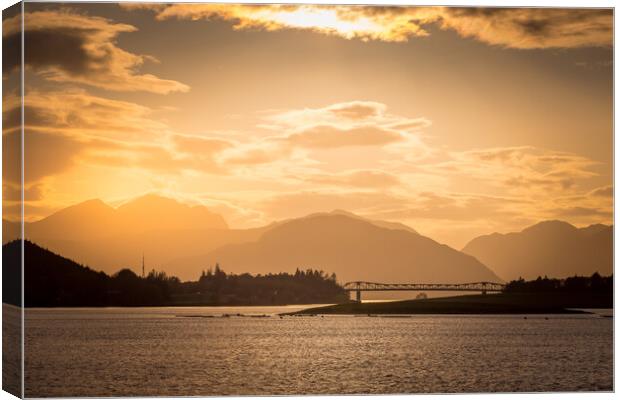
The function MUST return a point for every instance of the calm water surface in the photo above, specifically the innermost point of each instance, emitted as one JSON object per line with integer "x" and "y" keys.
{"x": 183, "y": 351}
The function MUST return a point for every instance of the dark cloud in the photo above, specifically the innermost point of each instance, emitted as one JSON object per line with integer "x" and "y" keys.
{"x": 48, "y": 154}
{"x": 521, "y": 28}
{"x": 61, "y": 48}
{"x": 12, "y": 192}
{"x": 67, "y": 47}
{"x": 532, "y": 28}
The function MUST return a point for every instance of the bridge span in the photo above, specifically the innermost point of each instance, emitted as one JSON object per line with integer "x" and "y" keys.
{"x": 360, "y": 286}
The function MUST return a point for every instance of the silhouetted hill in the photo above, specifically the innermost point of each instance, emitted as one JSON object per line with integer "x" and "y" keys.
{"x": 11, "y": 273}
{"x": 354, "y": 249}
{"x": 552, "y": 248}
{"x": 55, "y": 281}
{"x": 51, "y": 279}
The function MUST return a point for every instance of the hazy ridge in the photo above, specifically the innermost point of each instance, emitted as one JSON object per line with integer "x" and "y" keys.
{"x": 184, "y": 240}
{"x": 552, "y": 248}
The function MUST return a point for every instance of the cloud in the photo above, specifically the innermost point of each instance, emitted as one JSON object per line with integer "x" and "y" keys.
{"x": 605, "y": 192}
{"x": 70, "y": 128}
{"x": 416, "y": 208}
{"x": 451, "y": 206}
{"x": 583, "y": 206}
{"x": 234, "y": 214}
{"x": 201, "y": 152}
{"x": 346, "y": 22}
{"x": 358, "y": 109}
{"x": 252, "y": 154}
{"x": 532, "y": 28}
{"x": 327, "y": 136}
{"x": 349, "y": 113}
{"x": 63, "y": 46}
{"x": 12, "y": 192}
{"x": 157, "y": 157}
{"x": 200, "y": 145}
{"x": 78, "y": 112}
{"x": 519, "y": 28}
{"x": 360, "y": 178}
{"x": 47, "y": 154}
{"x": 573, "y": 212}
{"x": 520, "y": 169}
{"x": 295, "y": 204}
{"x": 296, "y": 133}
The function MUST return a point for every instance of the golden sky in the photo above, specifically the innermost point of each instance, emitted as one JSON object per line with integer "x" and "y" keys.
{"x": 455, "y": 121}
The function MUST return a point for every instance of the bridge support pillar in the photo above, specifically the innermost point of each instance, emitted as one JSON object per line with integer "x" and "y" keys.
{"x": 358, "y": 296}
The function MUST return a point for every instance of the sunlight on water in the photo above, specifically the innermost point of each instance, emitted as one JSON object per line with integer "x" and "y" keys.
{"x": 195, "y": 351}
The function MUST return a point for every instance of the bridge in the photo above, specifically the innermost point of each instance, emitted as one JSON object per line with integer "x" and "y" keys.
{"x": 359, "y": 286}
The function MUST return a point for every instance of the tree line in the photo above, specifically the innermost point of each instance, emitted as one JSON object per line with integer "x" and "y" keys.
{"x": 595, "y": 284}
{"x": 54, "y": 281}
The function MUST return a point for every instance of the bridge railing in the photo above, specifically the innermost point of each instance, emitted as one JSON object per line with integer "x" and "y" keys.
{"x": 469, "y": 287}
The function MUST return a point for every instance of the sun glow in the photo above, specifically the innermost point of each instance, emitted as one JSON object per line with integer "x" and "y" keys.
{"x": 325, "y": 20}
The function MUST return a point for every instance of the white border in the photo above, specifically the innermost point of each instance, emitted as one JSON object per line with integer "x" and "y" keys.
{"x": 495, "y": 3}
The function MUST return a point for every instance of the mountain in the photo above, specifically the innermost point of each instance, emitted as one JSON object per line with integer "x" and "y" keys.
{"x": 151, "y": 212}
{"x": 95, "y": 219}
{"x": 553, "y": 248}
{"x": 382, "y": 224}
{"x": 353, "y": 248}
{"x": 184, "y": 240}
{"x": 172, "y": 236}
{"x": 108, "y": 238}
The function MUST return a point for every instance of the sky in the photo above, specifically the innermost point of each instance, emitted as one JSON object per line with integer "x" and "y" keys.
{"x": 455, "y": 121}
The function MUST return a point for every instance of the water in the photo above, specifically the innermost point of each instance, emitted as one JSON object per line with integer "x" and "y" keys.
{"x": 180, "y": 351}
{"x": 11, "y": 349}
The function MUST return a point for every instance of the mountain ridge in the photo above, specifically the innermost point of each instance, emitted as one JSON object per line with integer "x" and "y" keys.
{"x": 554, "y": 248}
{"x": 355, "y": 250}
{"x": 181, "y": 248}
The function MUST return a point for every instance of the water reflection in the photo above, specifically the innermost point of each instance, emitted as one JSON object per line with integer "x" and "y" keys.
{"x": 165, "y": 351}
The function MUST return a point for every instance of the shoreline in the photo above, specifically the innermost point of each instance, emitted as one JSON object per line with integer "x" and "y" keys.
{"x": 503, "y": 303}
{"x": 159, "y": 306}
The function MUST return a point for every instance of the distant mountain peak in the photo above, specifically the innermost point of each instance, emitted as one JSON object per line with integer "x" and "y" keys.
{"x": 165, "y": 210}
{"x": 550, "y": 226}
{"x": 553, "y": 248}
{"x": 92, "y": 206}
{"x": 148, "y": 213}
{"x": 90, "y": 203}
{"x": 595, "y": 229}
{"x": 354, "y": 248}
{"x": 150, "y": 199}
{"x": 351, "y": 215}
{"x": 97, "y": 202}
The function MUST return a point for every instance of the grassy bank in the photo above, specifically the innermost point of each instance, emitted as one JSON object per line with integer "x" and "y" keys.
{"x": 504, "y": 303}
